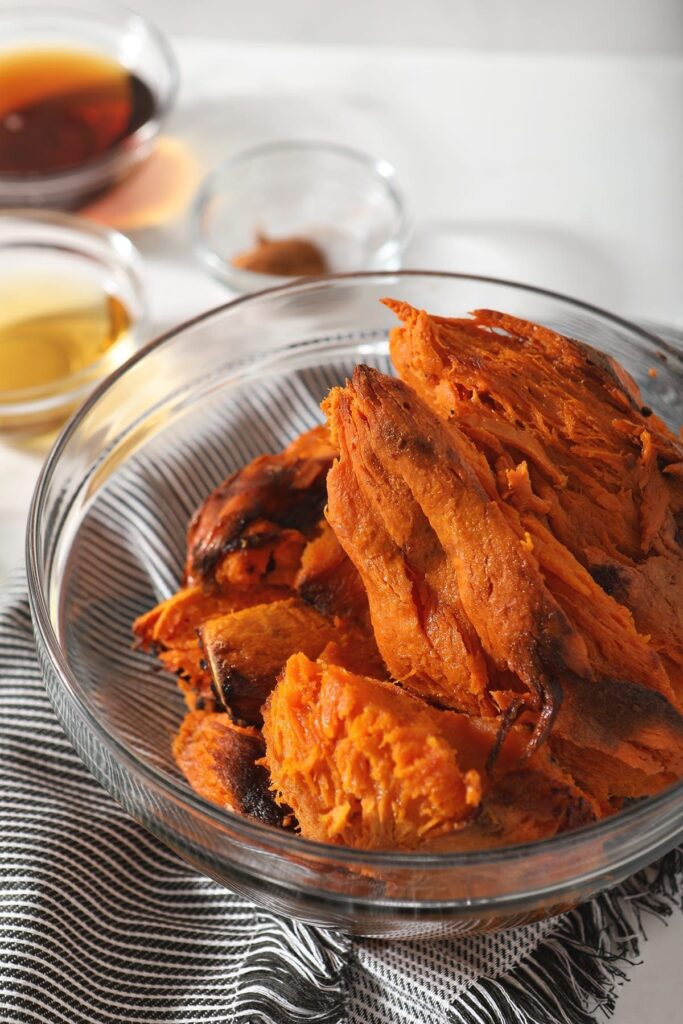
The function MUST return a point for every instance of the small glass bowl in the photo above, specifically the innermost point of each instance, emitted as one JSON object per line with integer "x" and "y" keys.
{"x": 114, "y": 498}
{"x": 342, "y": 200}
{"x": 113, "y": 31}
{"x": 59, "y": 246}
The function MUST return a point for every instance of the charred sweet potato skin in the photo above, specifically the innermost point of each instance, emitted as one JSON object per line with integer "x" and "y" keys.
{"x": 360, "y": 762}
{"x": 220, "y": 760}
{"x": 287, "y": 489}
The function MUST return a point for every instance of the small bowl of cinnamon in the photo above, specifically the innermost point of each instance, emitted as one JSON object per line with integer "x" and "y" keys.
{"x": 298, "y": 209}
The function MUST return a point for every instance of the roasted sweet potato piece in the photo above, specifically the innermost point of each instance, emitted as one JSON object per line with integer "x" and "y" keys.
{"x": 220, "y": 761}
{"x": 618, "y": 740}
{"x": 264, "y": 554}
{"x": 172, "y": 629}
{"x": 565, "y": 431}
{"x": 361, "y": 762}
{"x": 329, "y": 581}
{"x": 520, "y": 388}
{"x": 175, "y": 621}
{"x": 287, "y": 489}
{"x": 246, "y": 650}
{"x": 486, "y": 578}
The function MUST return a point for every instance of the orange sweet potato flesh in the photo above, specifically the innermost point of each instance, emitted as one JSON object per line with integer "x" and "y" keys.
{"x": 452, "y": 587}
{"x": 328, "y": 580}
{"x": 574, "y": 450}
{"x": 287, "y": 489}
{"x": 219, "y": 760}
{"x": 533, "y": 607}
{"x": 245, "y": 650}
{"x": 364, "y": 763}
{"x": 172, "y": 630}
{"x": 360, "y": 762}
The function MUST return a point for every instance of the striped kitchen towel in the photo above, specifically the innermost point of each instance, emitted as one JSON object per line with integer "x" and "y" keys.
{"x": 99, "y": 922}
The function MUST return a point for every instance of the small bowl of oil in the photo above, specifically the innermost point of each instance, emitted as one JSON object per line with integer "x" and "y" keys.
{"x": 72, "y": 310}
{"x": 84, "y": 91}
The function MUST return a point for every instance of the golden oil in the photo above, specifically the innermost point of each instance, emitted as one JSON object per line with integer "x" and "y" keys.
{"x": 54, "y": 328}
{"x": 62, "y": 329}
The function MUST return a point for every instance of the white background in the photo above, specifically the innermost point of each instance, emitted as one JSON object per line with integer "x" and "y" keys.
{"x": 553, "y": 26}
{"x": 538, "y": 140}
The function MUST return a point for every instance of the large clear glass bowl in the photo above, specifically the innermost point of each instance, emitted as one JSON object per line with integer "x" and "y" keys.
{"x": 106, "y": 540}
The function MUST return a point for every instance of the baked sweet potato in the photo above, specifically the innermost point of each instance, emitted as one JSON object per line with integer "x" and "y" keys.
{"x": 246, "y": 650}
{"x": 452, "y": 587}
{"x": 366, "y": 764}
{"x": 503, "y": 536}
{"x": 361, "y": 762}
{"x": 566, "y": 434}
{"x": 220, "y": 760}
{"x": 287, "y": 489}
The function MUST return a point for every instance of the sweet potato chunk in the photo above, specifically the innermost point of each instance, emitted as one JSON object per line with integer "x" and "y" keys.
{"x": 172, "y": 629}
{"x": 329, "y": 581}
{"x": 175, "y": 621}
{"x": 361, "y": 762}
{"x": 246, "y": 650}
{"x": 219, "y": 760}
{"x": 287, "y": 489}
{"x": 519, "y": 388}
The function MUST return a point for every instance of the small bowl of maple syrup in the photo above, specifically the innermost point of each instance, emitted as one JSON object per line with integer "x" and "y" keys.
{"x": 72, "y": 310}
{"x": 84, "y": 92}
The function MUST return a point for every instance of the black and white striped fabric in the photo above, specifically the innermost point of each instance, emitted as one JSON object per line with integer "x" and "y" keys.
{"x": 100, "y": 923}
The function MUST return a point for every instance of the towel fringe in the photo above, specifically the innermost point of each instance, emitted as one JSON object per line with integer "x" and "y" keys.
{"x": 576, "y": 971}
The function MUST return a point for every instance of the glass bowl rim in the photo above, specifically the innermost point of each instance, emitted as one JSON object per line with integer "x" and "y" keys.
{"x": 164, "y": 102}
{"x": 208, "y": 189}
{"x": 124, "y": 254}
{"x": 257, "y": 833}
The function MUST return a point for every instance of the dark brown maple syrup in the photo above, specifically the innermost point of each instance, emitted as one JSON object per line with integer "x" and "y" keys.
{"x": 61, "y": 108}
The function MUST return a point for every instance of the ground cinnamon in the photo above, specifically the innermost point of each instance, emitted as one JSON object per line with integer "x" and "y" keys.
{"x": 283, "y": 257}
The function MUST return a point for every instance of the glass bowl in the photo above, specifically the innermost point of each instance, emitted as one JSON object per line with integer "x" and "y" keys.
{"x": 106, "y": 540}
{"x": 48, "y": 251}
{"x": 110, "y": 30}
{"x": 342, "y": 200}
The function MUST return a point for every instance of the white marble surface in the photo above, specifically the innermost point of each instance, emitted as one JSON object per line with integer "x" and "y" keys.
{"x": 560, "y": 170}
